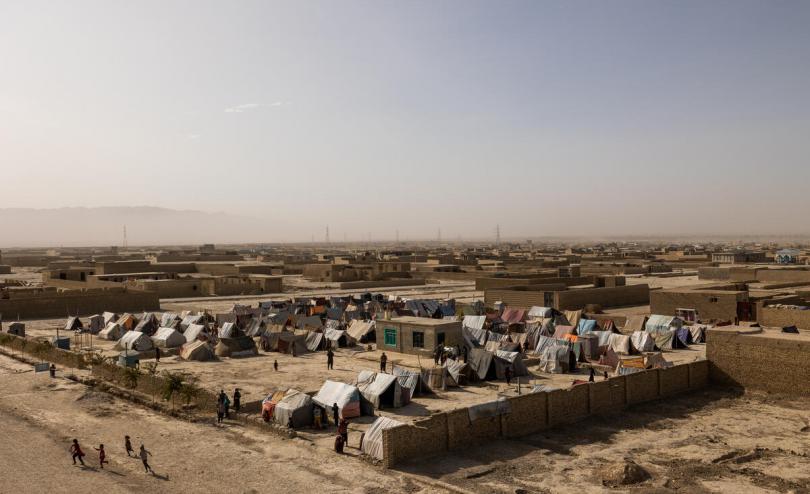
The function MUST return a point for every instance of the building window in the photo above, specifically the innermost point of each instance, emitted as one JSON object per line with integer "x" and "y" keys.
{"x": 712, "y": 299}
{"x": 418, "y": 339}
{"x": 390, "y": 337}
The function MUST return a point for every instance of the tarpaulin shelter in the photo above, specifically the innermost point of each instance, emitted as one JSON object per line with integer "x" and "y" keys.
{"x": 16, "y": 328}
{"x": 148, "y": 324}
{"x": 361, "y": 331}
{"x": 573, "y": 317}
{"x": 411, "y": 381}
{"x": 197, "y": 350}
{"x": 310, "y": 322}
{"x": 380, "y": 390}
{"x": 514, "y": 360}
{"x": 660, "y": 324}
{"x": 195, "y": 332}
{"x": 111, "y": 332}
{"x": 190, "y": 320}
{"x": 474, "y": 322}
{"x": 134, "y": 340}
{"x": 127, "y": 322}
{"x": 294, "y": 409}
{"x": 642, "y": 341}
{"x": 73, "y": 324}
{"x": 635, "y": 323}
{"x": 589, "y": 343}
{"x": 663, "y": 339}
{"x": 255, "y": 327}
{"x": 373, "y": 439}
{"x": 315, "y": 341}
{"x": 513, "y": 315}
{"x": 338, "y": 338}
{"x": 586, "y": 326}
{"x": 619, "y": 343}
{"x": 240, "y": 346}
{"x": 480, "y": 364}
{"x": 537, "y": 312}
{"x": 561, "y": 331}
{"x": 95, "y": 323}
{"x": 557, "y": 359}
{"x": 169, "y": 320}
{"x": 284, "y": 342}
{"x": 109, "y": 317}
{"x": 698, "y": 333}
{"x": 168, "y": 338}
{"x": 228, "y": 330}
{"x": 346, "y": 396}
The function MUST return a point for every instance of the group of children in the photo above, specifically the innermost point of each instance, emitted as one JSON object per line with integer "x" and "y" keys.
{"x": 78, "y": 454}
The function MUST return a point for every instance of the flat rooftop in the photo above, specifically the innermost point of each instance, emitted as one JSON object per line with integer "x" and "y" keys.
{"x": 419, "y": 321}
{"x": 770, "y": 333}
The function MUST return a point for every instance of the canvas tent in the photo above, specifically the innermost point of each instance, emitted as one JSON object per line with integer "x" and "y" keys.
{"x": 698, "y": 333}
{"x": 635, "y": 323}
{"x": 284, "y": 342}
{"x": 190, "y": 320}
{"x": 195, "y": 332}
{"x": 372, "y": 441}
{"x": 338, "y": 338}
{"x": 474, "y": 322}
{"x": 380, "y": 390}
{"x": 134, "y": 340}
{"x": 513, "y": 360}
{"x": 73, "y": 324}
{"x": 168, "y": 338}
{"x": 228, "y": 330}
{"x": 361, "y": 330}
{"x": 148, "y": 324}
{"x": 573, "y": 317}
{"x": 346, "y": 396}
{"x": 95, "y": 323}
{"x": 619, "y": 343}
{"x": 127, "y": 322}
{"x": 661, "y": 324}
{"x": 642, "y": 341}
{"x": 197, "y": 350}
{"x": 557, "y": 358}
{"x": 294, "y": 409}
{"x": 586, "y": 326}
{"x": 111, "y": 332}
{"x": 169, "y": 320}
{"x": 513, "y": 315}
{"x": 16, "y": 328}
{"x": 109, "y": 317}
{"x": 241, "y": 346}
{"x": 537, "y": 312}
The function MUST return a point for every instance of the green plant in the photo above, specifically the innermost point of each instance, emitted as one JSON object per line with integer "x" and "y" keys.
{"x": 189, "y": 389}
{"x": 130, "y": 376}
{"x": 172, "y": 385}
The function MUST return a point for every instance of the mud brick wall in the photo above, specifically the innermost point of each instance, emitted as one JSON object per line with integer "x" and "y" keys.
{"x": 538, "y": 411}
{"x": 78, "y": 303}
{"x": 619, "y": 296}
{"x": 641, "y": 386}
{"x": 780, "y": 318}
{"x": 418, "y": 440}
{"x": 529, "y": 415}
{"x": 777, "y": 364}
{"x": 673, "y": 380}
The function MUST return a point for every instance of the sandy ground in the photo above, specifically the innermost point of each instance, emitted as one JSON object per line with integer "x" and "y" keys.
{"x": 41, "y": 415}
{"x": 712, "y": 441}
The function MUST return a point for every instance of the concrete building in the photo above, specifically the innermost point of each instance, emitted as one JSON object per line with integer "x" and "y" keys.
{"x": 416, "y": 335}
{"x": 738, "y": 257}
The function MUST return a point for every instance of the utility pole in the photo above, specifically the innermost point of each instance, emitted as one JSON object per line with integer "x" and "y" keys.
{"x": 397, "y": 236}
{"x": 327, "y": 234}
{"x": 440, "y": 235}
{"x": 125, "y": 237}
{"x": 498, "y": 234}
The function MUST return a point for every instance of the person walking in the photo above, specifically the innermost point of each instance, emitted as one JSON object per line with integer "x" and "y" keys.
{"x": 144, "y": 454}
{"x": 220, "y": 411}
{"x": 508, "y": 373}
{"x": 591, "y": 375}
{"x": 343, "y": 430}
{"x": 77, "y": 452}
{"x": 52, "y": 370}
{"x": 237, "y": 400}
{"x": 383, "y": 362}
{"x": 330, "y": 359}
{"x": 336, "y": 413}
{"x": 157, "y": 355}
{"x": 128, "y": 446}
{"x": 436, "y": 355}
{"x": 227, "y": 403}
{"x": 102, "y": 456}
{"x": 275, "y": 365}
{"x": 339, "y": 444}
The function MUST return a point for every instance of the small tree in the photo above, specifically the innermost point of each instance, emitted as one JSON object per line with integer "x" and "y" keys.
{"x": 172, "y": 385}
{"x": 189, "y": 390}
{"x": 130, "y": 376}
{"x": 151, "y": 370}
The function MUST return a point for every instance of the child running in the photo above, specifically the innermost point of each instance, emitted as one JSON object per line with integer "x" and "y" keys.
{"x": 102, "y": 456}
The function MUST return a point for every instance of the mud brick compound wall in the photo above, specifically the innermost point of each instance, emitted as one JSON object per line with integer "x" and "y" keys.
{"x": 779, "y": 318}
{"x": 532, "y": 413}
{"x": 82, "y": 303}
{"x": 774, "y": 362}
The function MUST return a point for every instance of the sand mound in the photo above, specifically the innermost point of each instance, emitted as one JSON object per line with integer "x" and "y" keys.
{"x": 95, "y": 398}
{"x": 623, "y": 473}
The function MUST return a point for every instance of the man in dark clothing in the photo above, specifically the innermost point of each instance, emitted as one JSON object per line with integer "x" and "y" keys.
{"x": 336, "y": 414}
{"x": 508, "y": 373}
{"x": 52, "y": 370}
{"x": 339, "y": 444}
{"x": 222, "y": 396}
{"x": 275, "y": 365}
{"x": 383, "y": 361}
{"x": 237, "y": 399}
{"x": 525, "y": 346}
{"x": 437, "y": 354}
{"x": 330, "y": 359}
{"x": 343, "y": 430}
{"x": 591, "y": 376}
{"x": 157, "y": 354}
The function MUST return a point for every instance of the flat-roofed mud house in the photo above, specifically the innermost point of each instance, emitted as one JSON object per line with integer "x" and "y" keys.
{"x": 562, "y": 297}
{"x": 416, "y": 335}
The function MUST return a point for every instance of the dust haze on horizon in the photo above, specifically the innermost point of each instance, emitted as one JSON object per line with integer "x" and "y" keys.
{"x": 267, "y": 121}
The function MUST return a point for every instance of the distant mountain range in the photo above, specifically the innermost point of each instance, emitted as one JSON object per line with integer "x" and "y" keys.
{"x": 104, "y": 226}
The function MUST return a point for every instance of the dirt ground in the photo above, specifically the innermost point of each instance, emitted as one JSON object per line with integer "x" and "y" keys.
{"x": 712, "y": 441}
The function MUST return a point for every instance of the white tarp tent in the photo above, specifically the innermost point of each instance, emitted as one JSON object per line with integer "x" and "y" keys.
{"x": 474, "y": 322}
{"x": 194, "y": 332}
{"x": 619, "y": 343}
{"x": 381, "y": 390}
{"x": 358, "y": 329}
{"x": 134, "y": 340}
{"x": 346, "y": 396}
{"x": 372, "y": 441}
{"x": 111, "y": 332}
{"x": 295, "y": 405}
{"x": 537, "y": 312}
{"x": 642, "y": 341}
{"x": 168, "y": 338}
{"x": 661, "y": 324}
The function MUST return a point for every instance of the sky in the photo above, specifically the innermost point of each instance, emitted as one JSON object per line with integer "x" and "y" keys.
{"x": 544, "y": 117}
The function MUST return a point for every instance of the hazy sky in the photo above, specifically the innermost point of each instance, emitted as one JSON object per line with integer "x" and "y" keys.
{"x": 550, "y": 118}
